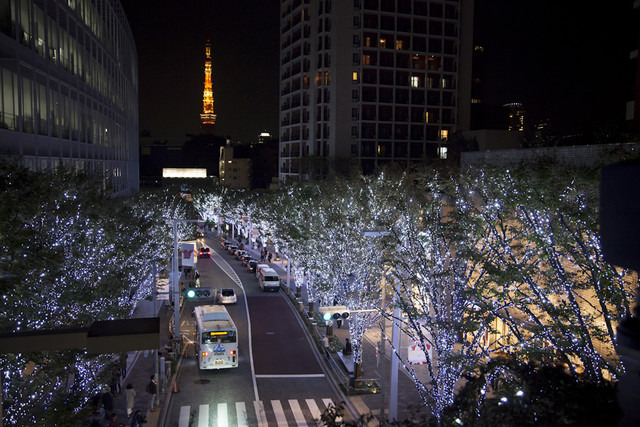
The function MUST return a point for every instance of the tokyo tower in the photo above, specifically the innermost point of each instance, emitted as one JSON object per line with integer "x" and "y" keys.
{"x": 208, "y": 117}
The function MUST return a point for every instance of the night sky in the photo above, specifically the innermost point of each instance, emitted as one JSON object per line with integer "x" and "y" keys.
{"x": 561, "y": 62}
{"x": 170, "y": 37}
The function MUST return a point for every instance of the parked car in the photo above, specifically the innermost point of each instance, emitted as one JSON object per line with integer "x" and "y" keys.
{"x": 260, "y": 267}
{"x": 227, "y": 296}
{"x": 251, "y": 265}
{"x": 238, "y": 253}
{"x": 204, "y": 252}
{"x": 224, "y": 244}
{"x": 231, "y": 248}
{"x": 244, "y": 259}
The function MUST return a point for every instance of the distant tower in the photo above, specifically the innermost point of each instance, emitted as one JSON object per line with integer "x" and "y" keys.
{"x": 207, "y": 118}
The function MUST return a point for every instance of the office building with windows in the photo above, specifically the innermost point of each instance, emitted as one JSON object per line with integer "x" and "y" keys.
{"x": 369, "y": 83}
{"x": 69, "y": 88}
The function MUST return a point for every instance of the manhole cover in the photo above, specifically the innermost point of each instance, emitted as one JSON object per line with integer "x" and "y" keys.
{"x": 202, "y": 381}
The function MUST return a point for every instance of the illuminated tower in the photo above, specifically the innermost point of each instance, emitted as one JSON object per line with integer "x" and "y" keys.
{"x": 207, "y": 118}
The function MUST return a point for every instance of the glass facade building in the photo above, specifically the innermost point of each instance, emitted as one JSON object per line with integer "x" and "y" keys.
{"x": 369, "y": 83}
{"x": 69, "y": 88}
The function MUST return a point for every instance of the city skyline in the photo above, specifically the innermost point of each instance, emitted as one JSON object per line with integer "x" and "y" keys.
{"x": 560, "y": 63}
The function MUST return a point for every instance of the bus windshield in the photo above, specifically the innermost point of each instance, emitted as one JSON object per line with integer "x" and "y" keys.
{"x": 214, "y": 337}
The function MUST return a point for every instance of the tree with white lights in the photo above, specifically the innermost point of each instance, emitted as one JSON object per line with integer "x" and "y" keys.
{"x": 553, "y": 290}
{"x": 428, "y": 232}
{"x": 71, "y": 256}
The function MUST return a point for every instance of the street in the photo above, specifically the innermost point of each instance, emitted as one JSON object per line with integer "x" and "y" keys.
{"x": 279, "y": 381}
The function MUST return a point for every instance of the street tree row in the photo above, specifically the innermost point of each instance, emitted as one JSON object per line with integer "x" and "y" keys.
{"x": 486, "y": 263}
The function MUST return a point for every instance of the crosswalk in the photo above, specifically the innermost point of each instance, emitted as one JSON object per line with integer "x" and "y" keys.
{"x": 291, "y": 412}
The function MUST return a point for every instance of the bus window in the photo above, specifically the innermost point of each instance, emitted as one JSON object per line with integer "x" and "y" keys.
{"x": 218, "y": 337}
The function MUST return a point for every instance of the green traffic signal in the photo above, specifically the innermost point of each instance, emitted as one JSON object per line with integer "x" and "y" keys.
{"x": 199, "y": 293}
{"x": 327, "y": 316}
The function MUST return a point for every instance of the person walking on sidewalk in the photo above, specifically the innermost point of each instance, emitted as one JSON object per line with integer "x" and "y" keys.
{"x": 325, "y": 344}
{"x": 130, "y": 395}
{"x": 152, "y": 388}
{"x": 107, "y": 402}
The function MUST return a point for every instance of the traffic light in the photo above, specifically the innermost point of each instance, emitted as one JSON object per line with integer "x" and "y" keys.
{"x": 193, "y": 293}
{"x": 334, "y": 312}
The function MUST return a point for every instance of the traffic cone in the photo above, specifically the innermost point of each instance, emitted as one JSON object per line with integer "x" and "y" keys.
{"x": 175, "y": 386}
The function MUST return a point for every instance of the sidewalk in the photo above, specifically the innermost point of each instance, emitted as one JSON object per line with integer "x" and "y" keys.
{"x": 408, "y": 398}
{"x": 140, "y": 367}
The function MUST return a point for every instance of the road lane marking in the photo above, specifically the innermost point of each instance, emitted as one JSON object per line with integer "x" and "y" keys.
{"x": 281, "y": 419}
{"x": 223, "y": 417}
{"x": 241, "y": 414}
{"x": 229, "y": 271}
{"x": 203, "y": 416}
{"x": 260, "y": 414}
{"x": 313, "y": 408}
{"x": 329, "y": 402}
{"x": 290, "y": 376}
{"x": 297, "y": 413}
{"x": 183, "y": 421}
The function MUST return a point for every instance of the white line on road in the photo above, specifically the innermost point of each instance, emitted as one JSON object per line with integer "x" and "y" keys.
{"x": 203, "y": 416}
{"x": 241, "y": 414}
{"x": 313, "y": 407}
{"x": 290, "y": 376}
{"x": 297, "y": 413}
{"x": 223, "y": 417}
{"x": 281, "y": 419}
{"x": 183, "y": 421}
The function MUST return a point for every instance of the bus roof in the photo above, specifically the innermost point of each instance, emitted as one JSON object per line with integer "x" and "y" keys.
{"x": 213, "y": 317}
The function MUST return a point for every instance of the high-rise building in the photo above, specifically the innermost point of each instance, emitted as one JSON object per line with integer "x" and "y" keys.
{"x": 69, "y": 88}
{"x": 207, "y": 118}
{"x": 368, "y": 83}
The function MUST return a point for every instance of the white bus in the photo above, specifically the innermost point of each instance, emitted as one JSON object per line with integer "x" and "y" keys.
{"x": 216, "y": 338}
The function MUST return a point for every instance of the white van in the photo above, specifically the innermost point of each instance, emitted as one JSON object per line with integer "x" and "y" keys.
{"x": 269, "y": 280}
{"x": 260, "y": 267}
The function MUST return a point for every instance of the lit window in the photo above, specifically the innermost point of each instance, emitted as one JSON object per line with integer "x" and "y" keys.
{"x": 442, "y": 152}
{"x": 366, "y": 59}
{"x": 355, "y": 76}
{"x": 383, "y": 43}
{"x": 427, "y": 117}
{"x": 444, "y": 134}
{"x": 415, "y": 81}
{"x": 398, "y": 44}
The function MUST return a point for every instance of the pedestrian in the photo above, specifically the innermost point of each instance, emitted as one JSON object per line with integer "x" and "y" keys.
{"x": 123, "y": 364}
{"x": 130, "y": 395}
{"x": 138, "y": 419}
{"x": 339, "y": 322}
{"x": 325, "y": 344}
{"x": 270, "y": 256}
{"x": 347, "y": 348}
{"x": 107, "y": 402}
{"x": 115, "y": 379}
{"x": 152, "y": 388}
{"x": 113, "y": 420}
